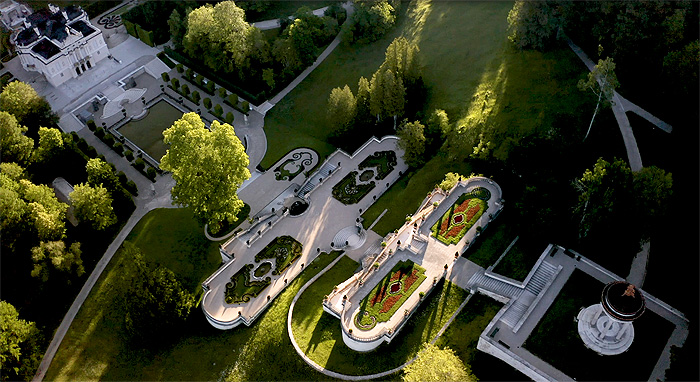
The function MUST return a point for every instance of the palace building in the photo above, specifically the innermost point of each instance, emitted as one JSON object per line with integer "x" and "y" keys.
{"x": 59, "y": 43}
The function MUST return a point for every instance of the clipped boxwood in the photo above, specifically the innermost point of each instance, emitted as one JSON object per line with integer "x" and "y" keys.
{"x": 99, "y": 132}
{"x": 165, "y": 76}
{"x": 91, "y": 125}
{"x": 108, "y": 139}
{"x": 196, "y": 97}
{"x": 129, "y": 155}
{"x": 175, "y": 83}
{"x": 179, "y": 68}
{"x": 131, "y": 187}
{"x": 151, "y": 173}
{"x": 222, "y": 93}
{"x": 139, "y": 164}
{"x": 229, "y": 117}
{"x": 207, "y": 103}
{"x": 218, "y": 110}
{"x": 118, "y": 147}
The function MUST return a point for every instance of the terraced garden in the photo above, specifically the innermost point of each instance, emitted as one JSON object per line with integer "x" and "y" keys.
{"x": 348, "y": 191}
{"x": 389, "y": 294}
{"x": 284, "y": 250}
{"x": 241, "y": 288}
{"x": 455, "y": 223}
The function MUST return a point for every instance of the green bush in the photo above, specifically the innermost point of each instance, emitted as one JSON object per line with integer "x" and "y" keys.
{"x": 189, "y": 73}
{"x": 145, "y": 36}
{"x": 176, "y": 83}
{"x": 108, "y": 139}
{"x": 91, "y": 152}
{"x": 185, "y": 90}
{"x": 165, "y": 76}
{"x": 229, "y": 117}
{"x": 245, "y": 105}
{"x": 210, "y": 86}
{"x": 199, "y": 79}
{"x": 195, "y": 97}
{"x": 233, "y": 100}
{"x": 179, "y": 68}
{"x": 99, "y": 132}
{"x": 218, "y": 110}
{"x": 222, "y": 93}
{"x": 139, "y": 164}
{"x": 118, "y": 147}
{"x": 167, "y": 61}
{"x": 151, "y": 173}
{"x": 129, "y": 155}
{"x": 91, "y": 125}
{"x": 122, "y": 178}
{"x": 131, "y": 187}
{"x": 207, "y": 103}
{"x": 130, "y": 28}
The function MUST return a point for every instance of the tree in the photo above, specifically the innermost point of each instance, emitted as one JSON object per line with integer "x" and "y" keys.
{"x": 680, "y": 67}
{"x": 32, "y": 111}
{"x": 437, "y": 127}
{"x": 47, "y": 212}
{"x": 370, "y": 21}
{"x": 54, "y": 255}
{"x": 394, "y": 95}
{"x": 402, "y": 58}
{"x": 533, "y": 24}
{"x": 156, "y": 303}
{"x": 602, "y": 81}
{"x": 100, "y": 173}
{"x": 435, "y": 364}
{"x": 94, "y": 205}
{"x": 19, "y": 99}
{"x": 178, "y": 28}
{"x": 341, "y": 108}
{"x": 451, "y": 179}
{"x": 412, "y": 142}
{"x": 208, "y": 167}
{"x": 14, "y": 145}
{"x": 363, "y": 112}
{"x": 653, "y": 188}
{"x": 20, "y": 352}
{"x": 50, "y": 144}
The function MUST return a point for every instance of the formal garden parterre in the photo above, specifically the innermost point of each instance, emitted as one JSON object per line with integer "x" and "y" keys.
{"x": 459, "y": 218}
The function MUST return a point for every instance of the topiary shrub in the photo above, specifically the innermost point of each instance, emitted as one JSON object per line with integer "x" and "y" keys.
{"x": 233, "y": 100}
{"x": 151, "y": 173}
{"x": 185, "y": 89}
{"x": 222, "y": 93}
{"x": 165, "y": 76}
{"x": 122, "y": 178}
{"x": 118, "y": 147}
{"x": 91, "y": 125}
{"x": 218, "y": 110}
{"x": 210, "y": 87}
{"x": 108, "y": 139}
{"x": 175, "y": 83}
{"x": 139, "y": 164}
{"x": 207, "y": 103}
{"x": 196, "y": 97}
{"x": 131, "y": 187}
{"x": 179, "y": 68}
{"x": 189, "y": 73}
{"x": 129, "y": 155}
{"x": 245, "y": 105}
{"x": 91, "y": 152}
{"x": 199, "y": 79}
{"x": 99, "y": 132}
{"x": 229, "y": 117}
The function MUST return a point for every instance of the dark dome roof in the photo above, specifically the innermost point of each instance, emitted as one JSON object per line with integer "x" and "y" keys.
{"x": 623, "y": 301}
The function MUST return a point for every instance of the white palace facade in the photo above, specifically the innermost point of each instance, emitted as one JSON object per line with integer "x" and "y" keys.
{"x": 59, "y": 43}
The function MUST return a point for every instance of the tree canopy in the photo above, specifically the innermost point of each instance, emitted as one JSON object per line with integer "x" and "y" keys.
{"x": 209, "y": 165}
{"x": 19, "y": 345}
{"x": 50, "y": 255}
{"x": 93, "y": 205}
{"x": 434, "y": 364}
{"x": 342, "y": 108}
{"x": 602, "y": 81}
{"x": 412, "y": 141}
{"x": 15, "y": 146}
{"x": 30, "y": 110}
{"x": 533, "y": 24}
{"x": 50, "y": 144}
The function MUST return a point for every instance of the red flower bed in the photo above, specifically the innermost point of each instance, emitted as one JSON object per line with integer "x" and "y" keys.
{"x": 395, "y": 276}
{"x": 472, "y": 211}
{"x": 410, "y": 280}
{"x": 458, "y": 219}
{"x": 444, "y": 225}
{"x": 462, "y": 207}
{"x": 389, "y": 302}
{"x": 379, "y": 296}
{"x": 454, "y": 231}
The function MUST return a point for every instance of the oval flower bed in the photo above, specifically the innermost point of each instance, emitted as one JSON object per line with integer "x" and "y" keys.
{"x": 455, "y": 223}
{"x": 389, "y": 294}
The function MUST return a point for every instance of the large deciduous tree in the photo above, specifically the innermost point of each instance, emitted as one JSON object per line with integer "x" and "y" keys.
{"x": 22, "y": 101}
{"x": 534, "y": 24}
{"x": 50, "y": 255}
{"x": 156, "y": 303}
{"x": 209, "y": 165}
{"x": 434, "y": 364}
{"x": 342, "y": 108}
{"x": 412, "y": 142}
{"x": 93, "y": 205}
{"x": 50, "y": 144}
{"x": 20, "y": 353}
{"x": 14, "y": 145}
{"x": 602, "y": 81}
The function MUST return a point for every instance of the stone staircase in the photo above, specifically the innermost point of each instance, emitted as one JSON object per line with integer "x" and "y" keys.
{"x": 315, "y": 179}
{"x": 496, "y": 286}
{"x": 540, "y": 278}
{"x": 513, "y": 314}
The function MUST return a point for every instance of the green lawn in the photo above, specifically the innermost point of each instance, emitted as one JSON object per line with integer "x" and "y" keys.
{"x": 93, "y": 348}
{"x": 520, "y": 259}
{"x": 147, "y": 133}
{"x": 571, "y": 356}
{"x": 319, "y": 334}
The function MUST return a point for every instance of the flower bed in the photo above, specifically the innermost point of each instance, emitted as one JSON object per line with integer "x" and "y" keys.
{"x": 298, "y": 160}
{"x": 241, "y": 289}
{"x": 389, "y": 294}
{"x": 284, "y": 249}
{"x": 455, "y": 223}
{"x": 347, "y": 191}
{"x": 384, "y": 161}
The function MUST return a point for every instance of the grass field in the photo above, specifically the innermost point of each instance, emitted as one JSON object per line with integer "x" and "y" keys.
{"x": 147, "y": 133}
{"x": 94, "y": 348}
{"x": 319, "y": 333}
